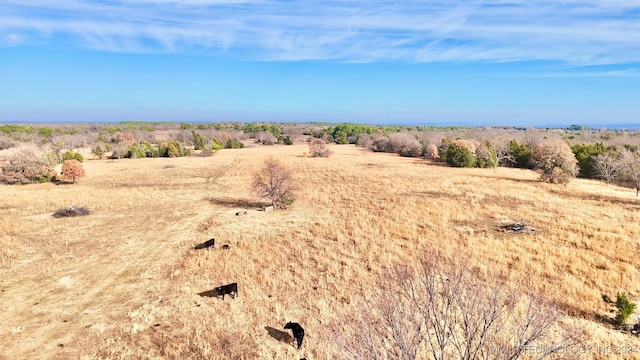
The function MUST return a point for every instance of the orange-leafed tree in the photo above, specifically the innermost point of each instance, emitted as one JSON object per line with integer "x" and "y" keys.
{"x": 72, "y": 169}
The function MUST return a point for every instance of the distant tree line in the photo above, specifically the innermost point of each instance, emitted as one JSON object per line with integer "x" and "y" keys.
{"x": 558, "y": 154}
{"x": 610, "y": 155}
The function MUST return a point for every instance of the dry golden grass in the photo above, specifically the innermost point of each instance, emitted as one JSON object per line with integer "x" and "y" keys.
{"x": 123, "y": 282}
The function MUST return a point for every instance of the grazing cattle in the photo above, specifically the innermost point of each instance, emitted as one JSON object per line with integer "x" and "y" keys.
{"x": 225, "y": 247}
{"x": 231, "y": 289}
{"x": 207, "y": 244}
{"x": 298, "y": 332}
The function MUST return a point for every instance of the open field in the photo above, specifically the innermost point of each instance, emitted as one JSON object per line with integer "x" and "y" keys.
{"x": 123, "y": 282}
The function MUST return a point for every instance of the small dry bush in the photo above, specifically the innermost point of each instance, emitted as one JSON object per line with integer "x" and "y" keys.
{"x": 71, "y": 211}
{"x": 318, "y": 148}
{"x": 432, "y": 152}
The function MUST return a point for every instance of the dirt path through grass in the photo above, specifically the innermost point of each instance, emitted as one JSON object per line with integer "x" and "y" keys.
{"x": 91, "y": 283}
{"x": 79, "y": 284}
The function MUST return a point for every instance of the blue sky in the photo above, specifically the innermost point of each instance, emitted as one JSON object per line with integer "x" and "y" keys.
{"x": 471, "y": 62}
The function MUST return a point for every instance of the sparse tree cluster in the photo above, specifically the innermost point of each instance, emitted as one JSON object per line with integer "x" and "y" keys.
{"x": 610, "y": 155}
{"x": 404, "y": 144}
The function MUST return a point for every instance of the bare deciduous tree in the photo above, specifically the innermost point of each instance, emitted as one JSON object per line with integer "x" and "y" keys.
{"x": 555, "y": 161}
{"x": 443, "y": 310}
{"x": 71, "y": 169}
{"x": 607, "y": 167}
{"x": 275, "y": 182}
{"x": 495, "y": 154}
{"x": 318, "y": 148}
{"x": 630, "y": 161}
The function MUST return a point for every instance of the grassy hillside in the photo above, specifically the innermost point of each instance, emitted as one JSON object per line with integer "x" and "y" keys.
{"x": 123, "y": 282}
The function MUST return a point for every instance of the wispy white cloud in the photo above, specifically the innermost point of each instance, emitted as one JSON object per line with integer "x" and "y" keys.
{"x": 584, "y": 72}
{"x": 581, "y": 32}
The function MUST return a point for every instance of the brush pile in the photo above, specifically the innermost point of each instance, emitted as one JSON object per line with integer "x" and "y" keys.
{"x": 71, "y": 211}
{"x": 518, "y": 227}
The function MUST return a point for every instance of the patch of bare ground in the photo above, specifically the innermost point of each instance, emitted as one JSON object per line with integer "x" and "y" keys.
{"x": 123, "y": 282}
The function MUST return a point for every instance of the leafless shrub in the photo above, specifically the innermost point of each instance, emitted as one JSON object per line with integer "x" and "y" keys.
{"x": 432, "y": 152}
{"x": 71, "y": 211}
{"x": 6, "y": 142}
{"x": 555, "y": 161}
{"x": 119, "y": 150}
{"x": 318, "y": 148}
{"x": 364, "y": 140}
{"x": 405, "y": 144}
{"x": 23, "y": 166}
{"x": 266, "y": 138}
{"x": 275, "y": 182}
{"x": 411, "y": 148}
{"x": 443, "y": 310}
{"x": 185, "y": 136}
{"x": 381, "y": 143}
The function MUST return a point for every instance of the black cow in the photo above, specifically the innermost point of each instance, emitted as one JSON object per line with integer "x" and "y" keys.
{"x": 225, "y": 247}
{"x": 298, "y": 332}
{"x": 231, "y": 289}
{"x": 207, "y": 244}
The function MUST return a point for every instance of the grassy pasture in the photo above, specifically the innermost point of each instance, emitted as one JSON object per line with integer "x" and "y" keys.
{"x": 123, "y": 282}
